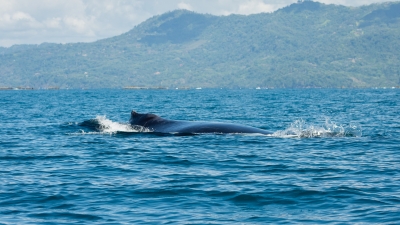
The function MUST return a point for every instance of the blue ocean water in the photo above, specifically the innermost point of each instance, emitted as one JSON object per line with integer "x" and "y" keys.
{"x": 333, "y": 158}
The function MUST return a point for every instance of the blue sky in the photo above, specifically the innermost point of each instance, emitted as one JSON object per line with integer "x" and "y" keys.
{"x": 62, "y": 21}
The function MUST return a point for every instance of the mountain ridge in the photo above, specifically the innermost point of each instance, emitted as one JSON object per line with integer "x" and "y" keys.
{"x": 306, "y": 44}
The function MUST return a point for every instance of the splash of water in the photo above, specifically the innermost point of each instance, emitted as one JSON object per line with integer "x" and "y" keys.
{"x": 301, "y": 129}
{"x": 103, "y": 125}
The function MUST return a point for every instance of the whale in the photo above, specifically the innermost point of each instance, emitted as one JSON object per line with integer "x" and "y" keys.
{"x": 157, "y": 124}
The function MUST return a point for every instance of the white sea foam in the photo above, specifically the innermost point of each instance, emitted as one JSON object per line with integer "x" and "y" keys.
{"x": 107, "y": 126}
{"x": 300, "y": 129}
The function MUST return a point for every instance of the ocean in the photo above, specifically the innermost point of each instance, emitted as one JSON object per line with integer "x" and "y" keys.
{"x": 333, "y": 157}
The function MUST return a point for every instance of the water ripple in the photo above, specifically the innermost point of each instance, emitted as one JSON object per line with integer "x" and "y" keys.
{"x": 332, "y": 159}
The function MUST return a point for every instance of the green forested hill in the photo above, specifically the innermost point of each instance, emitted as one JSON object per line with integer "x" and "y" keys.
{"x": 306, "y": 44}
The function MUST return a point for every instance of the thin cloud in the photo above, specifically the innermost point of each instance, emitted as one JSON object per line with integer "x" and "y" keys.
{"x": 255, "y": 6}
{"x": 186, "y": 6}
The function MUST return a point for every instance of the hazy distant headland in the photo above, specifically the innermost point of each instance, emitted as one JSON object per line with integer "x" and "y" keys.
{"x": 306, "y": 44}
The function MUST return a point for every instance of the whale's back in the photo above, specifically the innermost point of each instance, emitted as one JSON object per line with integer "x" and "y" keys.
{"x": 199, "y": 127}
{"x": 158, "y": 124}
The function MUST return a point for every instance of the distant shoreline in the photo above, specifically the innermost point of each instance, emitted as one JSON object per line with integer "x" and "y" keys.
{"x": 186, "y": 88}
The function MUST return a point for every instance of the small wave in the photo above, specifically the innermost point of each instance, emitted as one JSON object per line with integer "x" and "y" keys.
{"x": 102, "y": 125}
{"x": 300, "y": 129}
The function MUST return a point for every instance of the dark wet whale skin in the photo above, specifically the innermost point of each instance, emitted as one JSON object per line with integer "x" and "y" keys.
{"x": 158, "y": 124}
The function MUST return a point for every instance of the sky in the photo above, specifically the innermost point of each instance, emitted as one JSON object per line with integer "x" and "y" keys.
{"x": 67, "y": 21}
